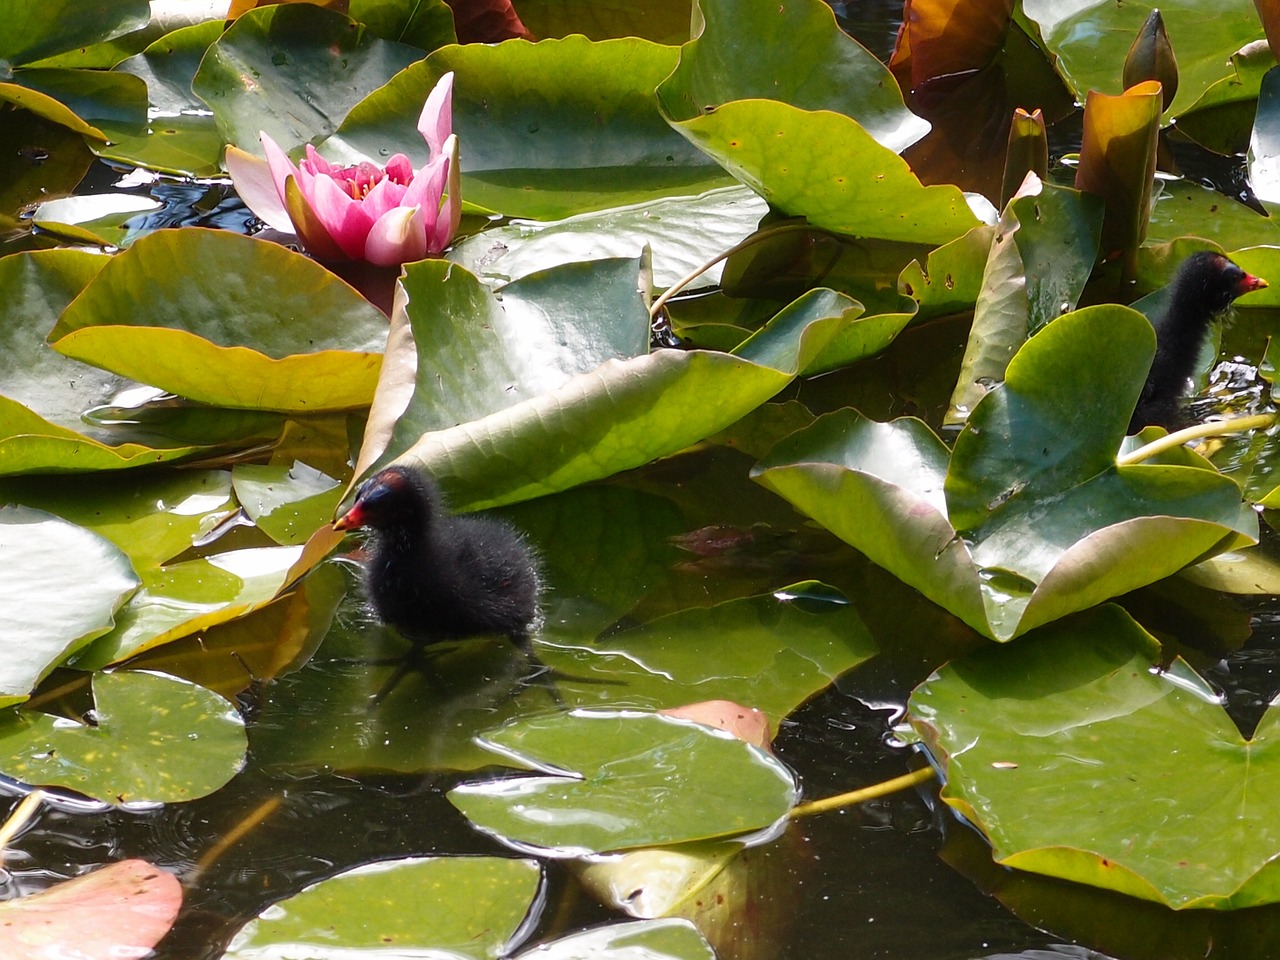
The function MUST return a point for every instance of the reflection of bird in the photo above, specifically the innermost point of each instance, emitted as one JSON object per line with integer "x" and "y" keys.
{"x": 1205, "y": 286}
{"x": 434, "y": 576}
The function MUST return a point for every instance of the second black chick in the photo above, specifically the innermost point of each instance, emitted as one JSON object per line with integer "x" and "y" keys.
{"x": 1205, "y": 285}
{"x": 434, "y": 576}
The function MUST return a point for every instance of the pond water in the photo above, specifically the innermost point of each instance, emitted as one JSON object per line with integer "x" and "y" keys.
{"x": 900, "y": 877}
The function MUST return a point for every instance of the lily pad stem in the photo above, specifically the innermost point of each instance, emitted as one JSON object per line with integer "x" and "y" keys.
{"x": 755, "y": 238}
{"x": 1211, "y": 429}
{"x": 18, "y": 819}
{"x": 872, "y": 792}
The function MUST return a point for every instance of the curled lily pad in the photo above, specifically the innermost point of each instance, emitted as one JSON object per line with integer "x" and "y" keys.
{"x": 222, "y": 334}
{"x": 647, "y": 779}
{"x": 1030, "y": 518}
{"x": 153, "y": 738}
{"x": 497, "y": 428}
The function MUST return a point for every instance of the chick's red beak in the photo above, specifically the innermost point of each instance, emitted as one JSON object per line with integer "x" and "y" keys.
{"x": 1249, "y": 283}
{"x": 353, "y": 519}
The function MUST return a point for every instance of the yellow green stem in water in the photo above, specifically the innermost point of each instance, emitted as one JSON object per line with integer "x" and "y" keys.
{"x": 1201, "y": 430}
{"x": 873, "y": 792}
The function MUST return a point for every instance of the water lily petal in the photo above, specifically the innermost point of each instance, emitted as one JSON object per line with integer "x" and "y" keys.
{"x": 398, "y": 236}
{"x": 317, "y": 164}
{"x": 345, "y": 219}
{"x": 310, "y": 230}
{"x": 282, "y": 168}
{"x": 436, "y": 120}
{"x": 446, "y": 224}
{"x": 400, "y": 168}
{"x": 385, "y": 195}
{"x": 257, "y": 188}
{"x": 427, "y": 187}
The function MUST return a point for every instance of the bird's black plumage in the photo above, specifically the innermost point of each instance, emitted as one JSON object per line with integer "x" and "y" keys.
{"x": 435, "y": 576}
{"x": 1205, "y": 285}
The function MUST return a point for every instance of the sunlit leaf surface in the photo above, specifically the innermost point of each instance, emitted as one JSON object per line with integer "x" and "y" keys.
{"x": 152, "y": 739}
{"x": 304, "y": 341}
{"x": 463, "y": 907}
{"x": 1047, "y": 747}
{"x": 614, "y": 780}
{"x": 62, "y": 587}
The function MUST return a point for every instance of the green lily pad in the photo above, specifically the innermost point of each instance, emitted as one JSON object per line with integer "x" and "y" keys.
{"x": 646, "y": 779}
{"x": 293, "y": 71}
{"x": 1089, "y": 41}
{"x": 288, "y": 503}
{"x": 46, "y": 395}
{"x": 426, "y": 25}
{"x": 180, "y": 135}
{"x": 468, "y": 907}
{"x": 1222, "y": 118}
{"x": 1264, "y": 145}
{"x": 951, "y": 278}
{"x": 638, "y": 940}
{"x": 737, "y": 57}
{"x": 682, "y": 232}
{"x": 544, "y": 429}
{"x": 770, "y": 652}
{"x": 1185, "y": 208}
{"x": 1027, "y": 282}
{"x": 852, "y": 186}
{"x": 152, "y": 517}
{"x": 548, "y": 129}
{"x": 154, "y": 739}
{"x": 193, "y": 595}
{"x": 36, "y": 29}
{"x": 1087, "y": 694}
{"x": 219, "y": 334}
{"x": 102, "y": 218}
{"x": 1031, "y": 519}
{"x": 40, "y": 160}
{"x": 71, "y": 585}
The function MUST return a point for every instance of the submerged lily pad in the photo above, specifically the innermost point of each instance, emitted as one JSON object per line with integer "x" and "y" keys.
{"x": 1030, "y": 518}
{"x": 468, "y": 907}
{"x": 1088, "y": 694}
{"x": 63, "y": 587}
{"x": 153, "y": 739}
{"x": 647, "y": 779}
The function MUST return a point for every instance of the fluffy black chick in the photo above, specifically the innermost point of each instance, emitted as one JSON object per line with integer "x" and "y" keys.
{"x": 434, "y": 576}
{"x": 1205, "y": 285}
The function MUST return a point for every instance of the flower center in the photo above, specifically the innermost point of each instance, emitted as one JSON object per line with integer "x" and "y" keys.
{"x": 357, "y": 181}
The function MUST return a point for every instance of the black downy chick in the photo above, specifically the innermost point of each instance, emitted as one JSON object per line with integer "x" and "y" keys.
{"x": 434, "y": 576}
{"x": 1206, "y": 284}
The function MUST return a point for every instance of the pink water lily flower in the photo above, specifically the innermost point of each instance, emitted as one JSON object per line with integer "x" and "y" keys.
{"x": 385, "y": 215}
